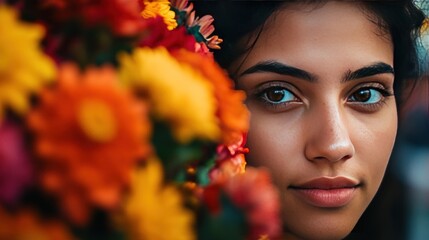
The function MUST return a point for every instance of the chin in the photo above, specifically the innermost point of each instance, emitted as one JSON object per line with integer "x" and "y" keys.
{"x": 331, "y": 233}
{"x": 335, "y": 234}
{"x": 321, "y": 224}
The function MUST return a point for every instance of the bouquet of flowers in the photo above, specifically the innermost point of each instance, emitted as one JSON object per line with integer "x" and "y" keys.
{"x": 116, "y": 123}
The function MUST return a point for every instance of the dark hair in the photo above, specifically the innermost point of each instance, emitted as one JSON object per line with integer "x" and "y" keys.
{"x": 401, "y": 19}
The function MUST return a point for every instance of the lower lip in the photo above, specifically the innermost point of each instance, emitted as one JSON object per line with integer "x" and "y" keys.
{"x": 326, "y": 198}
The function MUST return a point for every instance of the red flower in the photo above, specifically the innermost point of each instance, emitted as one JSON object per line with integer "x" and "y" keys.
{"x": 156, "y": 34}
{"x": 254, "y": 193}
{"x": 211, "y": 197}
{"x": 122, "y": 16}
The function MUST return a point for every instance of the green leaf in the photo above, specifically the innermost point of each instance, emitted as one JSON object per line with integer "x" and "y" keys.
{"x": 229, "y": 224}
{"x": 176, "y": 157}
{"x": 203, "y": 171}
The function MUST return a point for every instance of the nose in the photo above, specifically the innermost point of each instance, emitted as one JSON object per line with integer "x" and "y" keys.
{"x": 328, "y": 136}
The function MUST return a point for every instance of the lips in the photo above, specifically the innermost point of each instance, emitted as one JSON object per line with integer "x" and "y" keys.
{"x": 327, "y": 192}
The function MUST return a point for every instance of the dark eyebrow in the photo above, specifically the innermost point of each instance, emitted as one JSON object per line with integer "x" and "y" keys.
{"x": 279, "y": 68}
{"x": 367, "y": 71}
{"x": 283, "y": 69}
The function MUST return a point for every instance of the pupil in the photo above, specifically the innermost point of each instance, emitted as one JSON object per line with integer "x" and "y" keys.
{"x": 275, "y": 95}
{"x": 363, "y": 95}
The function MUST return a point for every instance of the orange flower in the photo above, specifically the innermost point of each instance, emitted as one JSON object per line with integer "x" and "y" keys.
{"x": 233, "y": 115}
{"x": 26, "y": 225}
{"x": 89, "y": 133}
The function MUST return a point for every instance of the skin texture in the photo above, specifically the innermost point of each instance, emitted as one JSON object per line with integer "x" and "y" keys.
{"x": 324, "y": 127}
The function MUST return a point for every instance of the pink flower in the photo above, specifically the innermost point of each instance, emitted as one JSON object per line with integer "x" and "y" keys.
{"x": 182, "y": 5}
{"x": 230, "y": 160}
{"x": 205, "y": 25}
{"x": 206, "y": 29}
{"x": 15, "y": 168}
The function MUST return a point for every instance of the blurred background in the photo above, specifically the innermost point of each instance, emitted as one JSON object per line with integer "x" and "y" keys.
{"x": 400, "y": 209}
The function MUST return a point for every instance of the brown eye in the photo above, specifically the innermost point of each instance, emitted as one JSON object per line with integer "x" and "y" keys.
{"x": 278, "y": 95}
{"x": 362, "y": 95}
{"x": 366, "y": 95}
{"x": 275, "y": 95}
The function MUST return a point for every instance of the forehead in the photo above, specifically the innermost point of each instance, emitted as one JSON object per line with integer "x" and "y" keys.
{"x": 327, "y": 15}
{"x": 334, "y": 32}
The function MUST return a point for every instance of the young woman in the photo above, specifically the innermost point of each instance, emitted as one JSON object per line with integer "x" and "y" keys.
{"x": 323, "y": 80}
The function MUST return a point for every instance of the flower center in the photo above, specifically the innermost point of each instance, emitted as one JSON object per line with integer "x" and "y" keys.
{"x": 97, "y": 121}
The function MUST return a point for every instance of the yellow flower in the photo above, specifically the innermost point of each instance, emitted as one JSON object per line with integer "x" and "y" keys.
{"x": 425, "y": 26}
{"x": 154, "y": 8}
{"x": 232, "y": 113}
{"x": 178, "y": 93}
{"x": 24, "y": 69}
{"x": 155, "y": 211}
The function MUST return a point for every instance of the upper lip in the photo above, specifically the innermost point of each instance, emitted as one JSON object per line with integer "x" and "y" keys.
{"x": 328, "y": 183}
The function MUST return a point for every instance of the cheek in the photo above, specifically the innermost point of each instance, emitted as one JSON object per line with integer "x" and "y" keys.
{"x": 261, "y": 142}
{"x": 374, "y": 144}
{"x": 275, "y": 142}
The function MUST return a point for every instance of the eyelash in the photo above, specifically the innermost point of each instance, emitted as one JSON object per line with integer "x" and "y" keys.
{"x": 371, "y": 107}
{"x": 274, "y": 105}
{"x": 261, "y": 92}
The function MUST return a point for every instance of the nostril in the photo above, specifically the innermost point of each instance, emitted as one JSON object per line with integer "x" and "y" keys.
{"x": 332, "y": 158}
{"x": 317, "y": 151}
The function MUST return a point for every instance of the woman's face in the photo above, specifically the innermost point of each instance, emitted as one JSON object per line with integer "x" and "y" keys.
{"x": 323, "y": 116}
